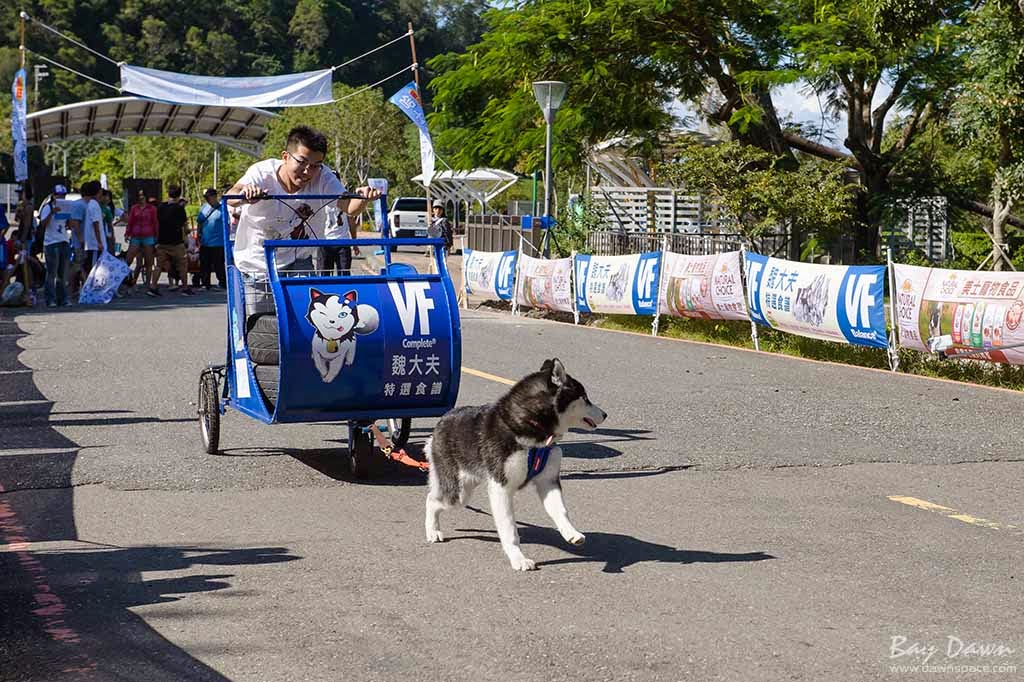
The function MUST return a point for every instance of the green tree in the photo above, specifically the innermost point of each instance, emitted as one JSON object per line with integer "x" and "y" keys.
{"x": 989, "y": 113}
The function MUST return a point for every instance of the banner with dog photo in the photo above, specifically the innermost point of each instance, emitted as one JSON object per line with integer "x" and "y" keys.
{"x": 625, "y": 285}
{"x": 844, "y": 303}
{"x": 961, "y": 310}
{"x": 544, "y": 283}
{"x": 490, "y": 274}
{"x": 703, "y": 287}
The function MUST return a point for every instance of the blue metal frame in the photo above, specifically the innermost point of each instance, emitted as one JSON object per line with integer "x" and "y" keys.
{"x": 250, "y": 402}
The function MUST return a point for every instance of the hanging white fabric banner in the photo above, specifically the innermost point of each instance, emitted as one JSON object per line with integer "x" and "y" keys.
{"x": 292, "y": 90}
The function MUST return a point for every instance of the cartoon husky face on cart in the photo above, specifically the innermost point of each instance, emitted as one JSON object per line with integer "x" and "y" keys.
{"x": 337, "y": 321}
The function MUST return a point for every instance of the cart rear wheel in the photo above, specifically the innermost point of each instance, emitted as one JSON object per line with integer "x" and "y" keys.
{"x": 361, "y": 452}
{"x": 399, "y": 430}
{"x": 209, "y": 412}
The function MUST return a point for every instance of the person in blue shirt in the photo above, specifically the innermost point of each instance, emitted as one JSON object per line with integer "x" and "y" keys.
{"x": 211, "y": 240}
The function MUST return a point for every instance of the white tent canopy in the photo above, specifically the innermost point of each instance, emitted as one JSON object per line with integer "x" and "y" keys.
{"x": 480, "y": 185}
{"x": 239, "y": 128}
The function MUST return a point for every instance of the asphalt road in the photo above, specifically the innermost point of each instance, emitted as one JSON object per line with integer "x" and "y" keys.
{"x": 737, "y": 507}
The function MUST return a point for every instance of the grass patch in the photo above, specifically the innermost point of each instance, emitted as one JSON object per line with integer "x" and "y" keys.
{"x": 734, "y": 333}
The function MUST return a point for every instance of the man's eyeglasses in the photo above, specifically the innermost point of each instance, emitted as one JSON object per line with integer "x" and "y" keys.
{"x": 305, "y": 163}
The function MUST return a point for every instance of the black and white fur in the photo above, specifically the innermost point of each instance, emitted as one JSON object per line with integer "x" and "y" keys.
{"x": 337, "y": 320}
{"x": 488, "y": 444}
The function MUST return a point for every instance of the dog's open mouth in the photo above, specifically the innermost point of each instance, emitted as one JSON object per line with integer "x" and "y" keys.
{"x": 589, "y": 422}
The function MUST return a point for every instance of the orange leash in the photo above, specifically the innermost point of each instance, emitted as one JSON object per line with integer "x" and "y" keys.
{"x": 399, "y": 455}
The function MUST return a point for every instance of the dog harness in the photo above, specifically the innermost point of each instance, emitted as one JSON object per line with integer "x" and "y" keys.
{"x": 536, "y": 460}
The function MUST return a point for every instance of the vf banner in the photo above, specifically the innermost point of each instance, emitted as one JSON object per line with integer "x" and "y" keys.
{"x": 704, "y": 287}
{"x": 844, "y": 303}
{"x": 625, "y": 285}
{"x": 544, "y": 283}
{"x": 490, "y": 274}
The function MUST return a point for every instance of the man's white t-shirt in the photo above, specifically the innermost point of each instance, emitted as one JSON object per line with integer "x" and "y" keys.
{"x": 275, "y": 219}
{"x": 93, "y": 214}
{"x": 57, "y": 229}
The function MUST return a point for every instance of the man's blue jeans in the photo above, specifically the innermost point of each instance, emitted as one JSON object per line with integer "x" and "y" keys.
{"x": 57, "y": 256}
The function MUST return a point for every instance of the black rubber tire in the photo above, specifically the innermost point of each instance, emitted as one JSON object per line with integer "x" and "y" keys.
{"x": 399, "y": 430}
{"x": 266, "y": 378}
{"x": 209, "y": 412}
{"x": 262, "y": 339}
{"x": 362, "y": 454}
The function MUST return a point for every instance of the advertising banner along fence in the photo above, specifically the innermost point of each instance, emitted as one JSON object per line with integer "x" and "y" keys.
{"x": 844, "y": 303}
{"x": 704, "y": 287}
{"x": 625, "y": 285}
{"x": 544, "y": 283}
{"x": 489, "y": 273}
{"x": 961, "y": 310}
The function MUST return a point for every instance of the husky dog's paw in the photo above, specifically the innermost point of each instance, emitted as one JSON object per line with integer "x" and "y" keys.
{"x": 575, "y": 538}
{"x": 523, "y": 564}
{"x": 435, "y": 536}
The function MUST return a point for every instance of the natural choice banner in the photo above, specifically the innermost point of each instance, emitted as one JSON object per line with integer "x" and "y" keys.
{"x": 489, "y": 273}
{"x": 544, "y": 283}
{"x": 844, "y": 303}
{"x": 626, "y": 285}
{"x": 973, "y": 310}
{"x": 703, "y": 287}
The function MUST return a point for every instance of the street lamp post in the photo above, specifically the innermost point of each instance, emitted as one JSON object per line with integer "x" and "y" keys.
{"x": 549, "y": 95}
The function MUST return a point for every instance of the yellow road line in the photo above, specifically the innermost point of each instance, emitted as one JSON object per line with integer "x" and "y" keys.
{"x": 951, "y": 513}
{"x": 489, "y": 377}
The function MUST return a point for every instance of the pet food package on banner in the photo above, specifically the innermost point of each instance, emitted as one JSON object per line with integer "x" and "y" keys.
{"x": 106, "y": 276}
{"x": 625, "y": 285}
{"x": 544, "y": 283}
{"x": 490, "y": 274}
{"x": 844, "y": 303}
{"x": 703, "y": 287}
{"x": 976, "y": 311}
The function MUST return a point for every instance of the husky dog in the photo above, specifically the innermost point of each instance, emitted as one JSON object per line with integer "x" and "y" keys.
{"x": 337, "y": 320}
{"x": 491, "y": 444}
{"x": 619, "y": 283}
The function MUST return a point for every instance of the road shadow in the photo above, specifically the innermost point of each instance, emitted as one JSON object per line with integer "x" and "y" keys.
{"x": 86, "y": 596}
{"x": 66, "y": 613}
{"x": 616, "y": 551}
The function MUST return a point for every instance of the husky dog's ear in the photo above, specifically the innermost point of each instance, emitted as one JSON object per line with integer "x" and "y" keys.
{"x": 316, "y": 295}
{"x": 350, "y": 297}
{"x": 557, "y": 370}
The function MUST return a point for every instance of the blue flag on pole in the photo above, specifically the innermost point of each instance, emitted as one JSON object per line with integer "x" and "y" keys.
{"x": 19, "y": 110}
{"x": 408, "y": 100}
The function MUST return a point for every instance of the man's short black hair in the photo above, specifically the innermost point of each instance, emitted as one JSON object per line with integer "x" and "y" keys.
{"x": 91, "y": 188}
{"x": 309, "y": 138}
{"x": 174, "y": 192}
{"x": 210, "y": 192}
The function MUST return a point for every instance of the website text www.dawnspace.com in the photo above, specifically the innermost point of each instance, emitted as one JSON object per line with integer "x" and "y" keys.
{"x": 952, "y": 668}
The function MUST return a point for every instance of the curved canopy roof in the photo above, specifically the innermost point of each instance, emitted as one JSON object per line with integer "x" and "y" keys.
{"x": 480, "y": 184}
{"x": 239, "y": 128}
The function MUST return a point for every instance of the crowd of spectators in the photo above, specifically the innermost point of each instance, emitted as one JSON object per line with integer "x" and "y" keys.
{"x": 54, "y": 250}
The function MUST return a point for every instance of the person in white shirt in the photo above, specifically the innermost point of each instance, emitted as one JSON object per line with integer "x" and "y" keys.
{"x": 53, "y": 219}
{"x": 299, "y": 171}
{"x": 93, "y": 233}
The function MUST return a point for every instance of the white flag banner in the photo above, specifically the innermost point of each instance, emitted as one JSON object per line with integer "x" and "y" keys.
{"x": 963, "y": 310}
{"x": 544, "y": 283}
{"x": 703, "y": 287}
{"x": 292, "y": 90}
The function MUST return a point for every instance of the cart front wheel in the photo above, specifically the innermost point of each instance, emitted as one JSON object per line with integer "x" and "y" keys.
{"x": 209, "y": 412}
{"x": 398, "y": 430}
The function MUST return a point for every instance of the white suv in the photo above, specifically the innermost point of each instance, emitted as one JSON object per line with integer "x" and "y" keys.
{"x": 408, "y": 217}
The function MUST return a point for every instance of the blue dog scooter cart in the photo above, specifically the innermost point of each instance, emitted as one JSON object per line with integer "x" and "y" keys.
{"x": 354, "y": 349}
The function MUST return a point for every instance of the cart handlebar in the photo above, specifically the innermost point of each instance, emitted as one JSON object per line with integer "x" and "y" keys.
{"x": 262, "y": 197}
